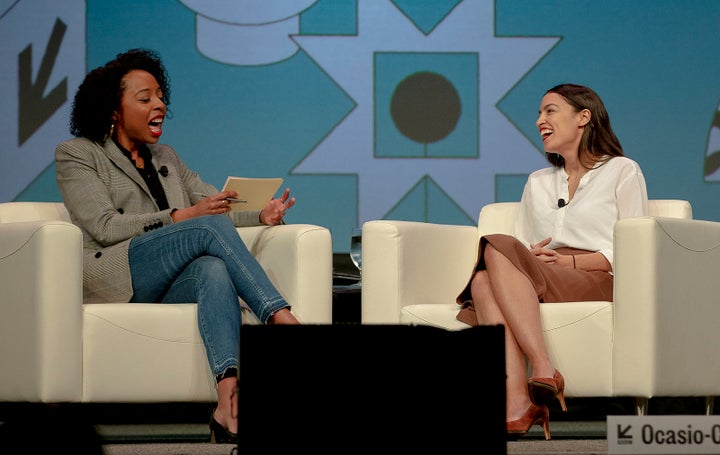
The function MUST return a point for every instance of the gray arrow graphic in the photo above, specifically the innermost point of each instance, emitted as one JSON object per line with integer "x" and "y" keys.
{"x": 33, "y": 108}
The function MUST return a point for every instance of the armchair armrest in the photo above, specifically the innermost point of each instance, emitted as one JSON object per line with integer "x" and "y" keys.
{"x": 298, "y": 260}
{"x": 41, "y": 311}
{"x": 667, "y": 291}
{"x": 408, "y": 262}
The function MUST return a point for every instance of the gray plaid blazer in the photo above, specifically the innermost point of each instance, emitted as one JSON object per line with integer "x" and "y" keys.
{"x": 111, "y": 203}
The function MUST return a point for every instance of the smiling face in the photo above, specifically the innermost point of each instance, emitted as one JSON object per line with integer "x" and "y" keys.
{"x": 560, "y": 125}
{"x": 141, "y": 112}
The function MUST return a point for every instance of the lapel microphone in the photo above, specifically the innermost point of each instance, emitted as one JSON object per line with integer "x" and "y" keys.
{"x": 163, "y": 171}
{"x": 561, "y": 201}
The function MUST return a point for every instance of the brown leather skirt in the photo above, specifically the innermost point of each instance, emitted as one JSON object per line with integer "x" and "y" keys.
{"x": 551, "y": 283}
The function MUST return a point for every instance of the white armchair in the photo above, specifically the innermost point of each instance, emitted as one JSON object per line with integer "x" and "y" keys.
{"x": 658, "y": 337}
{"x": 54, "y": 348}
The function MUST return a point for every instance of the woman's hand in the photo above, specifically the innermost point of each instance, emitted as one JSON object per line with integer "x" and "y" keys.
{"x": 274, "y": 211}
{"x": 544, "y": 254}
{"x": 215, "y": 204}
{"x": 551, "y": 256}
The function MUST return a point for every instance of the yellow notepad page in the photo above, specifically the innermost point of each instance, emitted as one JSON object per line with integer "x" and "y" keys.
{"x": 253, "y": 193}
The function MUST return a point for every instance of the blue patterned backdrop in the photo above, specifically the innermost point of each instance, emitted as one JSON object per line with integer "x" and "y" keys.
{"x": 406, "y": 109}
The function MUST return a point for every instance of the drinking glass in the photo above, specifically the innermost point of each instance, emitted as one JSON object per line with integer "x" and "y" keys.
{"x": 356, "y": 247}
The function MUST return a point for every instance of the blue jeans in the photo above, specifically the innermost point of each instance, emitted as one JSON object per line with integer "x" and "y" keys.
{"x": 204, "y": 260}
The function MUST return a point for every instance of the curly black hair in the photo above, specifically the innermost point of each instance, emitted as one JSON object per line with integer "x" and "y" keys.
{"x": 100, "y": 92}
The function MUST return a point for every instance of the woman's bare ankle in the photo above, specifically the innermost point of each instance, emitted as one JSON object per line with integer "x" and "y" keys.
{"x": 226, "y": 411}
{"x": 283, "y": 316}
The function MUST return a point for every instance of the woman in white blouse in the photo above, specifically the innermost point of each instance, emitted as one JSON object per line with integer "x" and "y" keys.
{"x": 562, "y": 250}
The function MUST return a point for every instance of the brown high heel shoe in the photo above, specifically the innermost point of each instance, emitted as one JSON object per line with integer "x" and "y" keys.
{"x": 539, "y": 415}
{"x": 543, "y": 390}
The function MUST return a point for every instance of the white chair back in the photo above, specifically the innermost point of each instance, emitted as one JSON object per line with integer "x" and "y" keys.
{"x": 499, "y": 217}
{"x": 17, "y": 212}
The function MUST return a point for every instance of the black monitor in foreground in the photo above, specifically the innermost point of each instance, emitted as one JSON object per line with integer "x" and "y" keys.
{"x": 363, "y": 388}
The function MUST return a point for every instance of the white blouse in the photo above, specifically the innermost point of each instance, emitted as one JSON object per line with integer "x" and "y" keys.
{"x": 605, "y": 194}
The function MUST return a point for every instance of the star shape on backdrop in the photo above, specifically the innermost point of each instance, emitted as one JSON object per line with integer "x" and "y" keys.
{"x": 366, "y": 143}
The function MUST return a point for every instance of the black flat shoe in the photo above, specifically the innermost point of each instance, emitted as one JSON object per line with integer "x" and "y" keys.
{"x": 219, "y": 434}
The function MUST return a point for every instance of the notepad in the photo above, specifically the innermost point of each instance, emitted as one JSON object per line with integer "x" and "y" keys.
{"x": 253, "y": 193}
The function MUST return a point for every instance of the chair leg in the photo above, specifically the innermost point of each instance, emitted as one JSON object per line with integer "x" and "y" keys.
{"x": 641, "y": 406}
{"x": 709, "y": 403}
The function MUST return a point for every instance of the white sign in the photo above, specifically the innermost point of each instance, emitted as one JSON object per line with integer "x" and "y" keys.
{"x": 669, "y": 434}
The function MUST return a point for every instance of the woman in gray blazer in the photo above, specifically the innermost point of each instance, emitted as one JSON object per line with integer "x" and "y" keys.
{"x": 153, "y": 230}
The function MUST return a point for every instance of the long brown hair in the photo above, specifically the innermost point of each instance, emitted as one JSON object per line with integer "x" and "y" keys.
{"x": 598, "y": 141}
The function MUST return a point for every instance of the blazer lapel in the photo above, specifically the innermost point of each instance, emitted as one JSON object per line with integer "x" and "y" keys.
{"x": 169, "y": 178}
{"x": 115, "y": 155}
